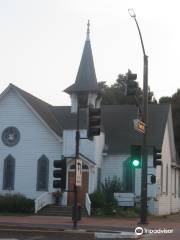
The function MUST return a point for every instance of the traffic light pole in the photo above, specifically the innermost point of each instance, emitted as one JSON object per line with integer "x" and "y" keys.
{"x": 143, "y": 217}
{"x": 143, "y": 214}
{"x": 76, "y": 157}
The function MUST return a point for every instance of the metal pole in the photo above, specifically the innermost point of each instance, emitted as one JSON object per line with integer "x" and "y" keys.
{"x": 76, "y": 157}
{"x": 143, "y": 214}
{"x": 143, "y": 217}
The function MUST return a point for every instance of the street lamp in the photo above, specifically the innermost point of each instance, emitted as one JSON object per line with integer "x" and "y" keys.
{"x": 143, "y": 216}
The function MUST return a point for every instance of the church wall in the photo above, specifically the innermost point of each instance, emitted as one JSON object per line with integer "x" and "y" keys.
{"x": 90, "y": 149}
{"x": 35, "y": 140}
{"x": 86, "y": 147}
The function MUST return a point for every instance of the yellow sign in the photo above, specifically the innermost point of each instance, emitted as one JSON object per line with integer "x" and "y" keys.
{"x": 139, "y": 126}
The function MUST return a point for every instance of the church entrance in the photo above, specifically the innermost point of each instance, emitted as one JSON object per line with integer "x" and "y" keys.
{"x": 84, "y": 188}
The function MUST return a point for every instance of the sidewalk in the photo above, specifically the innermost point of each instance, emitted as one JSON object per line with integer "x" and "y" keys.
{"x": 87, "y": 223}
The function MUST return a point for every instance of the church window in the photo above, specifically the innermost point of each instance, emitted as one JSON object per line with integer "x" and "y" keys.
{"x": 42, "y": 174}
{"x": 9, "y": 173}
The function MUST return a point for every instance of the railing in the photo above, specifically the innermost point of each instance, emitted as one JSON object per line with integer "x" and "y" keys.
{"x": 125, "y": 199}
{"x": 88, "y": 204}
{"x": 43, "y": 200}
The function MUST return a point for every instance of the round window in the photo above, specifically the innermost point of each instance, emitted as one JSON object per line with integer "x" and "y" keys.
{"x": 10, "y": 136}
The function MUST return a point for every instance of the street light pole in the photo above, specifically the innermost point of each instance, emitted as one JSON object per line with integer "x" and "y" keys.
{"x": 143, "y": 216}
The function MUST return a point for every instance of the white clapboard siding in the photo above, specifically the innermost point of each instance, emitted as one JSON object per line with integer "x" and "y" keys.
{"x": 113, "y": 166}
{"x": 35, "y": 140}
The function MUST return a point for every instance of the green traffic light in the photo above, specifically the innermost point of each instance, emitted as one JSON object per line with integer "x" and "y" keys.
{"x": 136, "y": 163}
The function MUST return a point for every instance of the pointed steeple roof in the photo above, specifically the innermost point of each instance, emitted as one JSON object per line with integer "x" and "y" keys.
{"x": 86, "y": 77}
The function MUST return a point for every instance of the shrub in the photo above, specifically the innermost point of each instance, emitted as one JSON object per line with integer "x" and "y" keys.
{"x": 110, "y": 186}
{"x": 16, "y": 203}
{"x": 97, "y": 199}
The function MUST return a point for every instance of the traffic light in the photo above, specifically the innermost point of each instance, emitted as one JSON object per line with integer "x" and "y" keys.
{"x": 59, "y": 173}
{"x": 94, "y": 121}
{"x": 153, "y": 179}
{"x": 157, "y": 157}
{"x": 131, "y": 85}
{"x": 135, "y": 161}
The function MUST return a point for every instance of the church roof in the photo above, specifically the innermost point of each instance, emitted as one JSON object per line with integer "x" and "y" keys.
{"x": 117, "y": 122}
{"x": 42, "y": 108}
{"x": 86, "y": 77}
{"x": 119, "y": 128}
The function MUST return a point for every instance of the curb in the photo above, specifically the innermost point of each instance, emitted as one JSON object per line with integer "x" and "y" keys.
{"x": 101, "y": 234}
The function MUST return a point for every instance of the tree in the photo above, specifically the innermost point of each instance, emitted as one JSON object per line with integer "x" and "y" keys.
{"x": 165, "y": 99}
{"x": 113, "y": 95}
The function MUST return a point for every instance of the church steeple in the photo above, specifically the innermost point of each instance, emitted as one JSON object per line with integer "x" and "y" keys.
{"x": 86, "y": 82}
{"x": 88, "y": 31}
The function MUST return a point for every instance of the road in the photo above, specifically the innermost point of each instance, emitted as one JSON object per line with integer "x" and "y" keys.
{"x": 40, "y": 235}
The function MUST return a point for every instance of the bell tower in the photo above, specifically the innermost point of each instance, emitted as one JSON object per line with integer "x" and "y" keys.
{"x": 85, "y": 87}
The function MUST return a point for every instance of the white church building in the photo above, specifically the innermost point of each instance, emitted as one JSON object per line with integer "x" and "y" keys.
{"x": 35, "y": 133}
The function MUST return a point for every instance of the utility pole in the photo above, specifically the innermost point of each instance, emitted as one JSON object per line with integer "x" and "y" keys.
{"x": 143, "y": 215}
{"x": 76, "y": 157}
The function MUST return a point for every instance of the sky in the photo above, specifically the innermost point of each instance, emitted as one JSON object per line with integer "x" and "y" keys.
{"x": 41, "y": 43}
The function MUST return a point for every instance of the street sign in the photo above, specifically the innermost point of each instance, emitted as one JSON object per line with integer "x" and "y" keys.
{"x": 78, "y": 172}
{"x": 139, "y": 126}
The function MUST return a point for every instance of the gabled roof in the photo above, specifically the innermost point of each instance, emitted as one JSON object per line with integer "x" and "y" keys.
{"x": 117, "y": 123}
{"x": 86, "y": 77}
{"x": 42, "y": 108}
{"x": 119, "y": 128}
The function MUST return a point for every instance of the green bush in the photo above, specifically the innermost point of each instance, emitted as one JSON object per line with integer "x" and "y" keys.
{"x": 97, "y": 199}
{"x": 110, "y": 208}
{"x": 16, "y": 203}
{"x": 109, "y": 187}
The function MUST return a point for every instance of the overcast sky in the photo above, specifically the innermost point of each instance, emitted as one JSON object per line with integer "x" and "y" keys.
{"x": 41, "y": 43}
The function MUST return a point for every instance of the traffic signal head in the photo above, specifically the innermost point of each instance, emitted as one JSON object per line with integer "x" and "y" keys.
{"x": 59, "y": 173}
{"x": 131, "y": 76}
{"x": 135, "y": 160}
{"x": 132, "y": 87}
{"x": 94, "y": 121}
{"x": 153, "y": 179}
{"x": 157, "y": 157}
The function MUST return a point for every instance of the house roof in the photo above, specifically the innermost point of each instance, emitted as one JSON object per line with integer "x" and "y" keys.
{"x": 117, "y": 122}
{"x": 86, "y": 77}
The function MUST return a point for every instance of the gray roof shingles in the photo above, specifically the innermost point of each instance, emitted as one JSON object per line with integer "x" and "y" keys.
{"x": 117, "y": 122}
{"x": 86, "y": 76}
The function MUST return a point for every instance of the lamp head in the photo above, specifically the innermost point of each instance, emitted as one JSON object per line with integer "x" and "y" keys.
{"x": 131, "y": 12}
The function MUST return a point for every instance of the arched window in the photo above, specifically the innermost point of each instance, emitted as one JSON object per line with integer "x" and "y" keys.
{"x": 9, "y": 173}
{"x": 42, "y": 174}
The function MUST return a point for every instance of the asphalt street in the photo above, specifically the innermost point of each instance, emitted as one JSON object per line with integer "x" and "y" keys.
{"x": 40, "y": 235}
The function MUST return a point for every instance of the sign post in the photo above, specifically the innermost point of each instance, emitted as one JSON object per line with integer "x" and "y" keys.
{"x": 78, "y": 173}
